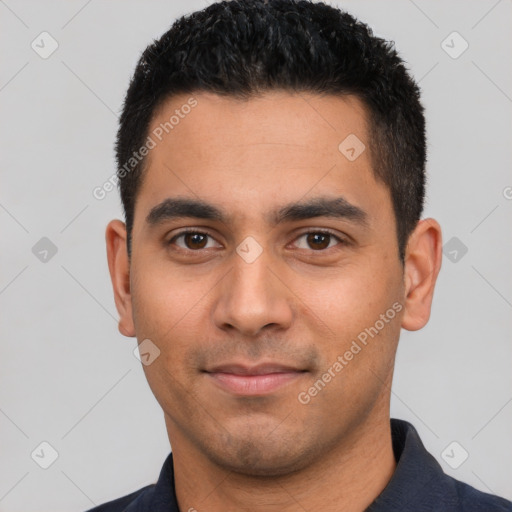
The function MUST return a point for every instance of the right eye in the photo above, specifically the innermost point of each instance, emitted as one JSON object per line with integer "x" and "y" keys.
{"x": 193, "y": 240}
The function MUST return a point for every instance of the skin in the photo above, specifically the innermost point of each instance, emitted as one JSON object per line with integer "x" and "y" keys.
{"x": 296, "y": 304}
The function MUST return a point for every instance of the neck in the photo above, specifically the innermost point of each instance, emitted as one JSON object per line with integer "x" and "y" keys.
{"x": 346, "y": 479}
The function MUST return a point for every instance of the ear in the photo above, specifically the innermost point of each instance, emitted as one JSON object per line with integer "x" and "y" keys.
{"x": 422, "y": 265}
{"x": 119, "y": 267}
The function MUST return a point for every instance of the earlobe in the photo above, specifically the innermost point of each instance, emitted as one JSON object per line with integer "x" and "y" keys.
{"x": 422, "y": 265}
{"x": 119, "y": 268}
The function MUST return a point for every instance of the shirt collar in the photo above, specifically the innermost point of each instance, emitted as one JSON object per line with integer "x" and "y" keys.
{"x": 416, "y": 472}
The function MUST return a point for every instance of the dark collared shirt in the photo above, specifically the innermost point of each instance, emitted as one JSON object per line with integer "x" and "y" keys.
{"x": 417, "y": 485}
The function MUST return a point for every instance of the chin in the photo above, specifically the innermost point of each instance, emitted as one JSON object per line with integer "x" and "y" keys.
{"x": 260, "y": 457}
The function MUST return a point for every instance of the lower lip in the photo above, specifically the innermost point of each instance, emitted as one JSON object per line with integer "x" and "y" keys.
{"x": 253, "y": 385}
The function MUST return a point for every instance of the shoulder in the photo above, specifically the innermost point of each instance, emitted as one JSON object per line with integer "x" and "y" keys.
{"x": 121, "y": 504}
{"x": 420, "y": 484}
{"x": 159, "y": 496}
{"x": 473, "y": 500}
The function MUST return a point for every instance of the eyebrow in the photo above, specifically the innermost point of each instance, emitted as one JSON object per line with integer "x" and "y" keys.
{"x": 333, "y": 207}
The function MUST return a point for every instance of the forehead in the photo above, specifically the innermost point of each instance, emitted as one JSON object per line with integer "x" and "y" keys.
{"x": 276, "y": 148}
{"x": 275, "y": 117}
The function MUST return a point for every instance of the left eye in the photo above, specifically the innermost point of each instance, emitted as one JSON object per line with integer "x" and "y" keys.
{"x": 319, "y": 240}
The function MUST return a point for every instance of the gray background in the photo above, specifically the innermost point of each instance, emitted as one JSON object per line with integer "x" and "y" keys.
{"x": 69, "y": 378}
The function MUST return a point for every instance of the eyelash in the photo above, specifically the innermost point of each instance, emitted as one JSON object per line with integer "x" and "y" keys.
{"x": 341, "y": 241}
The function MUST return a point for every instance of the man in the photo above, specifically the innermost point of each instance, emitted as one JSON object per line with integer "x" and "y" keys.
{"x": 271, "y": 166}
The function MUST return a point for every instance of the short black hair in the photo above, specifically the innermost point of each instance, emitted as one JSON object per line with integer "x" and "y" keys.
{"x": 243, "y": 48}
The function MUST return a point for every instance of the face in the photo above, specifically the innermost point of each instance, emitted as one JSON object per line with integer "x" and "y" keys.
{"x": 275, "y": 300}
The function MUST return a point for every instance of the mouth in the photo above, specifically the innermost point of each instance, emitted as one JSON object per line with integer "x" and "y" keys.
{"x": 258, "y": 380}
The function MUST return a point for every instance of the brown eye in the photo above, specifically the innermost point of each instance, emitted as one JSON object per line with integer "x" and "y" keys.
{"x": 195, "y": 240}
{"x": 319, "y": 240}
{"x": 192, "y": 240}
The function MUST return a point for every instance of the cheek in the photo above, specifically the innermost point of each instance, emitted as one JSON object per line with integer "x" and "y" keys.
{"x": 171, "y": 313}
{"x": 353, "y": 298}
{"x": 357, "y": 359}
{"x": 165, "y": 300}
{"x": 347, "y": 317}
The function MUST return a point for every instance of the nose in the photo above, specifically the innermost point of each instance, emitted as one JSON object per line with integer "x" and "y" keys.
{"x": 254, "y": 296}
